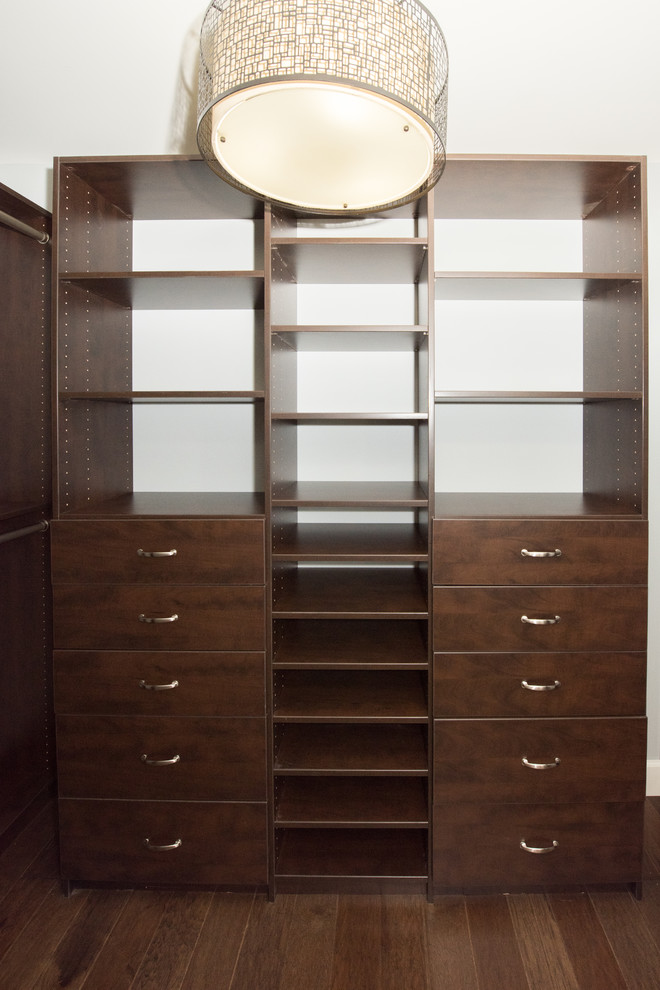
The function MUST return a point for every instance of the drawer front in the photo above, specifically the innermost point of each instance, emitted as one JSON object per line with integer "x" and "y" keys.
{"x": 480, "y": 845}
{"x": 104, "y": 841}
{"x": 532, "y": 761}
{"x": 547, "y": 619}
{"x": 538, "y": 685}
{"x": 187, "y": 618}
{"x": 155, "y": 551}
{"x": 143, "y": 683}
{"x": 176, "y": 759}
{"x": 502, "y": 551}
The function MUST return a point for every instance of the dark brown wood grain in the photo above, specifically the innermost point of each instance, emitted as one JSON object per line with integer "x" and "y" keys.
{"x": 490, "y": 619}
{"x": 490, "y": 552}
{"x": 483, "y": 685}
{"x": 572, "y": 760}
{"x": 217, "y": 759}
{"x": 208, "y": 618}
{"x": 227, "y": 551}
{"x": 221, "y": 842}
{"x": 110, "y": 682}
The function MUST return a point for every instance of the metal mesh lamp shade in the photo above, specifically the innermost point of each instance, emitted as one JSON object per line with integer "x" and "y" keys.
{"x": 329, "y": 107}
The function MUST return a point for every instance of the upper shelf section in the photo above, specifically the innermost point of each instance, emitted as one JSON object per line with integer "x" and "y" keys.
{"x": 525, "y": 187}
{"x": 164, "y": 188}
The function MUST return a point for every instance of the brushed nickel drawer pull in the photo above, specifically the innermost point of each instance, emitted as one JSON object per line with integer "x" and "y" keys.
{"x": 157, "y": 620}
{"x": 541, "y": 766}
{"x": 540, "y": 687}
{"x": 159, "y": 763}
{"x": 166, "y": 848}
{"x": 540, "y": 553}
{"x": 539, "y": 850}
{"x": 540, "y": 622}
{"x": 158, "y": 687}
{"x": 156, "y": 553}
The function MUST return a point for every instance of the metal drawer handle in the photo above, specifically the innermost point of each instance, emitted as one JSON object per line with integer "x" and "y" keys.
{"x": 540, "y": 622}
{"x": 156, "y": 553}
{"x": 158, "y": 687}
{"x": 541, "y": 766}
{"x": 166, "y": 848}
{"x": 539, "y": 687}
{"x": 540, "y": 553}
{"x": 539, "y": 850}
{"x": 157, "y": 620}
{"x": 159, "y": 763}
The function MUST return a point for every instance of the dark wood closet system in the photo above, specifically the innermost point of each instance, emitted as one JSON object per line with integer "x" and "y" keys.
{"x": 26, "y": 750}
{"x": 341, "y": 680}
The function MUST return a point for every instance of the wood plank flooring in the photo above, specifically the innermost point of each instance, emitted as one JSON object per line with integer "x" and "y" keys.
{"x": 582, "y": 939}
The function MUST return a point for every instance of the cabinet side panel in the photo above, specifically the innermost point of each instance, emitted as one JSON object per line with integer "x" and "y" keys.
{"x": 613, "y": 352}
{"x": 24, "y": 369}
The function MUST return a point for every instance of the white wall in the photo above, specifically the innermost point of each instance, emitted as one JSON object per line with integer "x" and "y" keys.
{"x": 574, "y": 77}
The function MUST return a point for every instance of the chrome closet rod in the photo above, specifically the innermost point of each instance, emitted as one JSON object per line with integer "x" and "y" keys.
{"x": 39, "y": 527}
{"x": 24, "y": 228}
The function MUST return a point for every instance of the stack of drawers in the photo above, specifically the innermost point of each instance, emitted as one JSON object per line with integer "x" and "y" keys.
{"x": 159, "y": 684}
{"x": 539, "y": 632}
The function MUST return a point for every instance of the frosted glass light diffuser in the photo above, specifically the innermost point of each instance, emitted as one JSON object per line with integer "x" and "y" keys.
{"x": 329, "y": 107}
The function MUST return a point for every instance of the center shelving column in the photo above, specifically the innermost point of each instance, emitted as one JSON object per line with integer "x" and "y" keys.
{"x": 349, "y": 504}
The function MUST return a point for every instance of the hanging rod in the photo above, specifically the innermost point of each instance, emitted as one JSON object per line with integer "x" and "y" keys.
{"x": 39, "y": 527}
{"x": 24, "y": 228}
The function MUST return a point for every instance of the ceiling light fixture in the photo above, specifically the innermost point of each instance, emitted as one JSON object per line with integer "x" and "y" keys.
{"x": 329, "y": 107}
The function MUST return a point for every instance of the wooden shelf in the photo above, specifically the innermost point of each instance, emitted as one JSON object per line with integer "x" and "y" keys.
{"x": 369, "y": 543}
{"x": 155, "y": 505}
{"x": 342, "y": 802}
{"x": 345, "y": 261}
{"x": 352, "y": 853}
{"x": 344, "y": 592}
{"x": 174, "y": 290}
{"x": 350, "y": 696}
{"x": 503, "y": 505}
{"x": 527, "y": 285}
{"x": 352, "y": 644}
{"x": 353, "y": 338}
{"x": 322, "y": 418}
{"x": 164, "y": 397}
{"x": 549, "y": 398}
{"x": 350, "y": 494}
{"x": 351, "y": 750}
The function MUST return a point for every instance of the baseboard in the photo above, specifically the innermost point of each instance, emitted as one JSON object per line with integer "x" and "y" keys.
{"x": 652, "y": 778}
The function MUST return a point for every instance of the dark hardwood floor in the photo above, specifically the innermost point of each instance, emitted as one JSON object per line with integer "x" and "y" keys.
{"x": 584, "y": 939}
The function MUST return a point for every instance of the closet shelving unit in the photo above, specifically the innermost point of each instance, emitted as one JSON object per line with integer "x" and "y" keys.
{"x": 376, "y": 631}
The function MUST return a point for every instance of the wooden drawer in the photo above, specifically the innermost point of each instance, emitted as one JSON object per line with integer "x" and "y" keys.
{"x": 491, "y": 619}
{"x": 217, "y": 759}
{"x": 538, "y": 685}
{"x": 207, "y": 618}
{"x": 104, "y": 842}
{"x": 480, "y": 845}
{"x": 491, "y": 552}
{"x": 208, "y": 551}
{"x": 489, "y": 760}
{"x": 143, "y": 683}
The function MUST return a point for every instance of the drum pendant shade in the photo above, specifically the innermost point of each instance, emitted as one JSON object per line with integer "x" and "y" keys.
{"x": 325, "y": 106}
